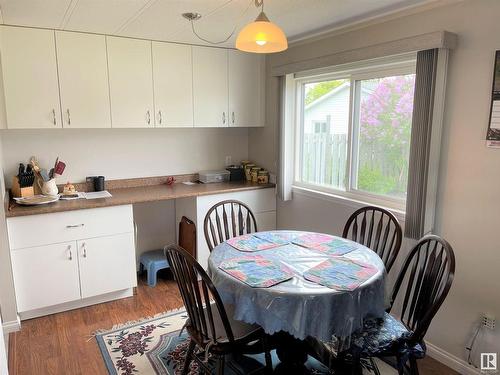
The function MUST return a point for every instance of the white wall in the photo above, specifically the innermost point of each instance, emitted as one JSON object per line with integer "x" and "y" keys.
{"x": 468, "y": 207}
{"x": 124, "y": 153}
{"x": 117, "y": 153}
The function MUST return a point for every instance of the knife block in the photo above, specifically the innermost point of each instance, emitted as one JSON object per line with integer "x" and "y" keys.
{"x": 19, "y": 192}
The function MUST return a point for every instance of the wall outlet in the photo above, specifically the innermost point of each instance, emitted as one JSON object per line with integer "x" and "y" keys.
{"x": 229, "y": 160}
{"x": 488, "y": 321}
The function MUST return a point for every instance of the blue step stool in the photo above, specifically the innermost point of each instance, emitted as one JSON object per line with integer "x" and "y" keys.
{"x": 153, "y": 261}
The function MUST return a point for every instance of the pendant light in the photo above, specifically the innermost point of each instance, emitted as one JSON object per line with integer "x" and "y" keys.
{"x": 261, "y": 36}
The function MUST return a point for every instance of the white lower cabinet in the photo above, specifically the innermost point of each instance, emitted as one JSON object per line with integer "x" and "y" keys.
{"x": 262, "y": 202}
{"x": 95, "y": 259}
{"x": 105, "y": 264}
{"x": 45, "y": 275}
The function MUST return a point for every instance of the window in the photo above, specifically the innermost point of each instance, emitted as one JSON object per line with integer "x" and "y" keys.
{"x": 353, "y": 133}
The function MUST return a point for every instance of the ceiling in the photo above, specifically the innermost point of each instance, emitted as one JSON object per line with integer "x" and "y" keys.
{"x": 161, "y": 19}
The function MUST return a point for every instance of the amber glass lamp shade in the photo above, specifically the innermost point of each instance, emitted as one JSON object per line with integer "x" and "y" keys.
{"x": 261, "y": 36}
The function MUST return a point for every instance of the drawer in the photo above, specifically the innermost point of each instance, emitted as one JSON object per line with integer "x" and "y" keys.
{"x": 37, "y": 230}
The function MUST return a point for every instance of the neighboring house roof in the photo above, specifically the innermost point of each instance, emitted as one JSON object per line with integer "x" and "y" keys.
{"x": 332, "y": 93}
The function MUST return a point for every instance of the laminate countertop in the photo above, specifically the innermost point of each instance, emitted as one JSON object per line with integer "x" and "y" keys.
{"x": 138, "y": 194}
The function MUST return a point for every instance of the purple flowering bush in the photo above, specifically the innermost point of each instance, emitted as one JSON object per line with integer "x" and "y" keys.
{"x": 385, "y": 127}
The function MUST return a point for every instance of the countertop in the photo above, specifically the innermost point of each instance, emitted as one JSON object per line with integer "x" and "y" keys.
{"x": 138, "y": 194}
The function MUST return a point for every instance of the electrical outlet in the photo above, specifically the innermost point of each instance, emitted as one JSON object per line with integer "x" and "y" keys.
{"x": 488, "y": 321}
{"x": 229, "y": 160}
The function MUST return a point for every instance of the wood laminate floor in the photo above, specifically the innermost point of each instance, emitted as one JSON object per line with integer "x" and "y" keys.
{"x": 61, "y": 344}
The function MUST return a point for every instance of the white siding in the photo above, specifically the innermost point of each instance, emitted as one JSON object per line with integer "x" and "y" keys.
{"x": 336, "y": 106}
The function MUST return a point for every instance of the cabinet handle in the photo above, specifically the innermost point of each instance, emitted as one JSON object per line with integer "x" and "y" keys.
{"x": 54, "y": 116}
{"x": 70, "y": 253}
{"x": 223, "y": 118}
{"x": 232, "y": 117}
{"x": 148, "y": 116}
{"x": 159, "y": 117}
{"x": 69, "y": 116}
{"x": 84, "y": 250}
{"x": 75, "y": 226}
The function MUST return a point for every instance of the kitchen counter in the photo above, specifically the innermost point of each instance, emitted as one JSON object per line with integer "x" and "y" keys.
{"x": 136, "y": 194}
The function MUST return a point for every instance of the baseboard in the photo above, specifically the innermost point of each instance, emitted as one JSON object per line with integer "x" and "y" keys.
{"x": 453, "y": 362}
{"x": 12, "y": 326}
{"x": 76, "y": 304}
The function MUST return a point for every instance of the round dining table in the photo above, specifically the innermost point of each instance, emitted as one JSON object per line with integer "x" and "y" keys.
{"x": 298, "y": 307}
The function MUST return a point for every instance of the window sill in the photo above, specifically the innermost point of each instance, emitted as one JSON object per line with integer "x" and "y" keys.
{"x": 345, "y": 201}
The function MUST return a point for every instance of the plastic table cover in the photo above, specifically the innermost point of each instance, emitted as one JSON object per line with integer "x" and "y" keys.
{"x": 297, "y": 306}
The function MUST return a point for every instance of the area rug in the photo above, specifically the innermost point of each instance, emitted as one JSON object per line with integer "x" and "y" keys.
{"x": 156, "y": 346}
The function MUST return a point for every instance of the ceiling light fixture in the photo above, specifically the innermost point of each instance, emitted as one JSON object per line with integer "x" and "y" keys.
{"x": 260, "y": 36}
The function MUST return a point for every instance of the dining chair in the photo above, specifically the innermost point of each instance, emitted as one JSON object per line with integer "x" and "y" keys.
{"x": 420, "y": 289}
{"x": 213, "y": 333}
{"x": 228, "y": 219}
{"x": 377, "y": 229}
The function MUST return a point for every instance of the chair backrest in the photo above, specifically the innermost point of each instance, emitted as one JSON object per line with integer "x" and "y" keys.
{"x": 197, "y": 292}
{"x": 228, "y": 219}
{"x": 427, "y": 273}
{"x": 377, "y": 229}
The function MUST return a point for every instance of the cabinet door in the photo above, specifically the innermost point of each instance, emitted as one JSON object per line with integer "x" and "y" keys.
{"x": 30, "y": 78}
{"x": 107, "y": 264}
{"x": 210, "y": 87}
{"x": 246, "y": 89}
{"x": 45, "y": 275}
{"x": 83, "y": 80}
{"x": 130, "y": 82}
{"x": 173, "y": 84}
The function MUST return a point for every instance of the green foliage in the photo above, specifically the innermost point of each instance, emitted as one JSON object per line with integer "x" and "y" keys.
{"x": 321, "y": 89}
{"x": 374, "y": 181}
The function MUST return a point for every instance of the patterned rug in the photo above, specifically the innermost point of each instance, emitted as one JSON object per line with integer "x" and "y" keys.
{"x": 153, "y": 346}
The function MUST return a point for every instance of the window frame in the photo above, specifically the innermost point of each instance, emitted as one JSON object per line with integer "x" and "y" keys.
{"x": 355, "y": 74}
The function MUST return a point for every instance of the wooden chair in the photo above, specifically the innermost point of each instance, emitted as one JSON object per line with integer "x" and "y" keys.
{"x": 377, "y": 229}
{"x": 427, "y": 275}
{"x": 228, "y": 219}
{"x": 210, "y": 328}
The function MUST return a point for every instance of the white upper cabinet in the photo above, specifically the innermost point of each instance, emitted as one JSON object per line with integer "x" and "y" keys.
{"x": 173, "y": 85}
{"x": 30, "y": 78}
{"x": 210, "y": 87}
{"x": 59, "y": 79}
{"x": 83, "y": 80}
{"x": 130, "y": 82}
{"x": 246, "y": 89}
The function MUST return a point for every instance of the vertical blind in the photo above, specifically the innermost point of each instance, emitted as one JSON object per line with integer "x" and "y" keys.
{"x": 420, "y": 148}
{"x": 286, "y": 125}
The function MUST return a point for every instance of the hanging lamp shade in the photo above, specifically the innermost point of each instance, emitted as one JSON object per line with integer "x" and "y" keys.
{"x": 261, "y": 36}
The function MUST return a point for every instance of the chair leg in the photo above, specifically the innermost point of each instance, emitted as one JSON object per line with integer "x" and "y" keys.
{"x": 220, "y": 365}
{"x": 374, "y": 366}
{"x": 413, "y": 366}
{"x": 267, "y": 355}
{"x": 189, "y": 357}
{"x": 356, "y": 368}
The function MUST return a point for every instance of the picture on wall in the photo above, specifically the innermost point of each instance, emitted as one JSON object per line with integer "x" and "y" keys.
{"x": 493, "y": 136}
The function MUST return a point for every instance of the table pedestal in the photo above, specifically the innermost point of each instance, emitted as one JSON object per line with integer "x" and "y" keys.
{"x": 292, "y": 354}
